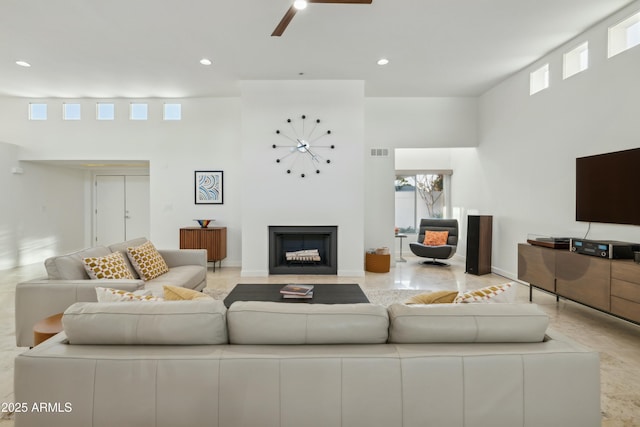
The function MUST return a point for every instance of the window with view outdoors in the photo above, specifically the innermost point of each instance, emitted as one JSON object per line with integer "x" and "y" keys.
{"x": 71, "y": 111}
{"x": 37, "y": 111}
{"x": 625, "y": 35}
{"x": 418, "y": 196}
{"x": 539, "y": 79}
{"x": 575, "y": 61}
{"x": 105, "y": 111}
{"x": 138, "y": 111}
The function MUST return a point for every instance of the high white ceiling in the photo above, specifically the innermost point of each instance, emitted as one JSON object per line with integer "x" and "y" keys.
{"x": 151, "y": 48}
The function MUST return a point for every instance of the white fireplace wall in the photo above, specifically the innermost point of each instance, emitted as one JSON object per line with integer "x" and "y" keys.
{"x": 272, "y": 197}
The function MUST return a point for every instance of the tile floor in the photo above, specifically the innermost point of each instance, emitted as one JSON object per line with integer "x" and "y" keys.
{"x": 617, "y": 341}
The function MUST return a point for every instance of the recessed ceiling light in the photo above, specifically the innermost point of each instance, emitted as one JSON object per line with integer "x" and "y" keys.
{"x": 383, "y": 61}
{"x": 300, "y": 4}
{"x": 205, "y": 61}
{"x": 23, "y": 63}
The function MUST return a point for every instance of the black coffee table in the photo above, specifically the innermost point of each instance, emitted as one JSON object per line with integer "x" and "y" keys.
{"x": 322, "y": 294}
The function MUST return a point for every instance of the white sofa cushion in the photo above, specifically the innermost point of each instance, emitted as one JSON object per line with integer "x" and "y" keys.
{"x": 466, "y": 323}
{"x": 259, "y": 322}
{"x": 71, "y": 266}
{"x": 195, "y": 322}
{"x": 186, "y": 276}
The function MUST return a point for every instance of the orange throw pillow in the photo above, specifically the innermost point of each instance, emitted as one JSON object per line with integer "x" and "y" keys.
{"x": 435, "y": 238}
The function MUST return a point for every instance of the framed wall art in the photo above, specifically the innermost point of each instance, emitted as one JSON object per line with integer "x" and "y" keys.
{"x": 208, "y": 187}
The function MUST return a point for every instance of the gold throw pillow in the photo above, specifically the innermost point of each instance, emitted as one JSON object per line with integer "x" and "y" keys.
{"x": 438, "y": 297}
{"x": 176, "y": 293}
{"x": 147, "y": 261}
{"x": 112, "y": 266}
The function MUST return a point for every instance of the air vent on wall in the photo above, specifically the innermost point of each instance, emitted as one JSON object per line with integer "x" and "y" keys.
{"x": 379, "y": 152}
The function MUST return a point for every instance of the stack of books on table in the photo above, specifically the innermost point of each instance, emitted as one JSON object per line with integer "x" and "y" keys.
{"x": 297, "y": 291}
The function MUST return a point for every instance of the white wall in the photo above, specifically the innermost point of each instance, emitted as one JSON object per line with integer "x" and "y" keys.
{"x": 232, "y": 134}
{"x": 42, "y": 207}
{"x": 513, "y": 156}
{"x": 207, "y": 138}
{"x": 8, "y": 215}
{"x": 273, "y": 197}
{"x": 379, "y": 193}
{"x": 421, "y": 122}
{"x": 420, "y": 159}
{"x": 409, "y": 123}
{"x": 523, "y": 171}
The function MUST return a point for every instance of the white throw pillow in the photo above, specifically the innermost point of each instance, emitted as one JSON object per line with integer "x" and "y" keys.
{"x": 505, "y": 293}
{"x": 115, "y": 295}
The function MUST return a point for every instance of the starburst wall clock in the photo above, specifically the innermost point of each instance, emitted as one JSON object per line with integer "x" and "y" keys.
{"x": 301, "y": 154}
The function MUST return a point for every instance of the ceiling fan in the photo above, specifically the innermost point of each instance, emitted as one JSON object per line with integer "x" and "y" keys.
{"x": 301, "y": 4}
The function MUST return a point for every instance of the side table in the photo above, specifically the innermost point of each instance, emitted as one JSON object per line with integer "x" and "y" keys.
{"x": 46, "y": 328}
{"x": 377, "y": 263}
{"x": 213, "y": 239}
{"x": 401, "y": 236}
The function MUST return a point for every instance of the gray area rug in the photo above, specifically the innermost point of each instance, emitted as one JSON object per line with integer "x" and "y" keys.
{"x": 376, "y": 296}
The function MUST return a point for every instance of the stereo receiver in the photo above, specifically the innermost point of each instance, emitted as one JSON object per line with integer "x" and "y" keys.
{"x": 603, "y": 248}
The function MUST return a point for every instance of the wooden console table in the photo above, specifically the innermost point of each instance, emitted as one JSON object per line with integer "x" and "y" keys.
{"x": 213, "y": 239}
{"x": 608, "y": 285}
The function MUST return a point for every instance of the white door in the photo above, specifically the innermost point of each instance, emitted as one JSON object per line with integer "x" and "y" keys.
{"x": 136, "y": 207}
{"x": 122, "y": 208}
{"x": 110, "y": 208}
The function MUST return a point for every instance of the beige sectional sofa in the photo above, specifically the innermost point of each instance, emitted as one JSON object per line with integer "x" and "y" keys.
{"x": 263, "y": 364}
{"x": 67, "y": 282}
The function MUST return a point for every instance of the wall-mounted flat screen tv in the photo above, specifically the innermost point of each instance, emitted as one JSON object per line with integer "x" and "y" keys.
{"x": 608, "y": 187}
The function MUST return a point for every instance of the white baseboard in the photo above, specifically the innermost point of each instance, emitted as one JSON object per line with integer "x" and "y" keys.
{"x": 351, "y": 273}
{"x": 495, "y": 270}
{"x": 254, "y": 273}
{"x": 227, "y": 263}
{"x": 504, "y": 273}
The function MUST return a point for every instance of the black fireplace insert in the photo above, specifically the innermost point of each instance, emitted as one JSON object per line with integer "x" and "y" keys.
{"x": 303, "y": 249}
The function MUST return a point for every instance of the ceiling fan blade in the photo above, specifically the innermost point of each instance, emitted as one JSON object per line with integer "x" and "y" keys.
{"x": 286, "y": 19}
{"x": 342, "y": 1}
{"x": 284, "y": 22}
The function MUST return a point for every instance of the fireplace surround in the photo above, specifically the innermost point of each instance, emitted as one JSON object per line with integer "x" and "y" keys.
{"x": 290, "y": 239}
